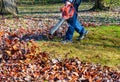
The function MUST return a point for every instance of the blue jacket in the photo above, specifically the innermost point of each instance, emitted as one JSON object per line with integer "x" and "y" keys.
{"x": 75, "y": 2}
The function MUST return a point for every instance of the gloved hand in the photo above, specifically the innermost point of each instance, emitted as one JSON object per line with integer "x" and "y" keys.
{"x": 71, "y": 1}
{"x": 67, "y": 3}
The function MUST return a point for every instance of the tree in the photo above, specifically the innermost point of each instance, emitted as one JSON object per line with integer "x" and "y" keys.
{"x": 8, "y": 6}
{"x": 99, "y": 4}
{"x": 105, "y": 4}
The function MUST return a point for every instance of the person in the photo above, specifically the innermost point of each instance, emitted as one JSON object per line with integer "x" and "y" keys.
{"x": 74, "y": 24}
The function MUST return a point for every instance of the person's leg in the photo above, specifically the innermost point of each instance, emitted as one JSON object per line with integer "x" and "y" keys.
{"x": 69, "y": 33}
{"x": 81, "y": 30}
{"x": 78, "y": 27}
{"x": 71, "y": 22}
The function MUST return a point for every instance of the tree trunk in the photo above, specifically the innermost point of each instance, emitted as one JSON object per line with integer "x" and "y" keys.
{"x": 99, "y": 5}
{"x": 8, "y": 6}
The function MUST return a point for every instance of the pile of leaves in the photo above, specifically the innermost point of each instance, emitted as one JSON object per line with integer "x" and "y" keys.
{"x": 31, "y": 28}
{"x": 68, "y": 70}
{"x": 21, "y": 59}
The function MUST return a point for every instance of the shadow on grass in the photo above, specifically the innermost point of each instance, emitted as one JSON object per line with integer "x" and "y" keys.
{"x": 102, "y": 45}
{"x": 54, "y": 12}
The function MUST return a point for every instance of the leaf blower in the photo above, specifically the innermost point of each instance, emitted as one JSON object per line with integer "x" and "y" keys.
{"x": 67, "y": 12}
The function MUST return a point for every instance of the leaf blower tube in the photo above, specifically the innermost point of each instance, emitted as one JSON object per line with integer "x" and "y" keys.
{"x": 67, "y": 12}
{"x": 60, "y": 22}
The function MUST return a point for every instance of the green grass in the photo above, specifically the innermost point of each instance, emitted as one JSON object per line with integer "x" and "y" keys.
{"x": 102, "y": 45}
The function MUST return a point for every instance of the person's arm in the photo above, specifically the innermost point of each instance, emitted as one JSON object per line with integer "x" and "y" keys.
{"x": 69, "y": 1}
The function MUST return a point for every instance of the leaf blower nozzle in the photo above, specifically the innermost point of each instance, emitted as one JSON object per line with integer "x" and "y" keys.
{"x": 57, "y": 26}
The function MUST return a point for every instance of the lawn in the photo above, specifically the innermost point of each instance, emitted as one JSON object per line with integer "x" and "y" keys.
{"x": 101, "y": 45}
{"x": 28, "y": 54}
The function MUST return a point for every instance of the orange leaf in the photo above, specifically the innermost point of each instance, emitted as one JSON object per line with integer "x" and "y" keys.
{"x": 1, "y": 33}
{"x": 15, "y": 47}
{"x": 8, "y": 52}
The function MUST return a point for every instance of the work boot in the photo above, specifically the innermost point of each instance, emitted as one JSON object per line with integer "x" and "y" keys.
{"x": 82, "y": 36}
